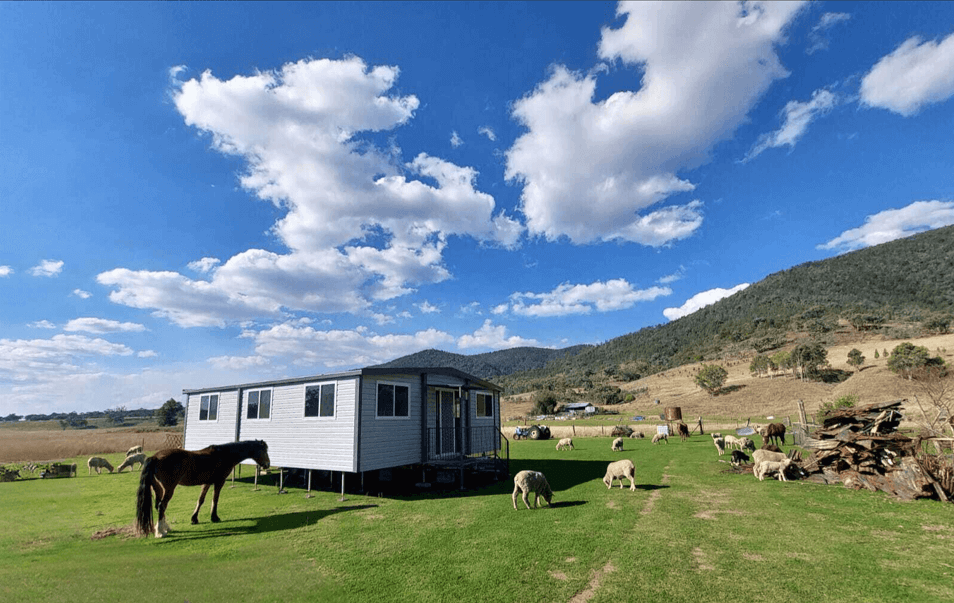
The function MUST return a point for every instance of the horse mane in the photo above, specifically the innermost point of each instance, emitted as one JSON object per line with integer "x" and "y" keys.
{"x": 240, "y": 447}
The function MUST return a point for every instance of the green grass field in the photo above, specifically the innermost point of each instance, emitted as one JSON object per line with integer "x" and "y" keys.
{"x": 688, "y": 533}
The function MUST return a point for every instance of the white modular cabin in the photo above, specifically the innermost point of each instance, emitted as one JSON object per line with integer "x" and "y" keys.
{"x": 355, "y": 421}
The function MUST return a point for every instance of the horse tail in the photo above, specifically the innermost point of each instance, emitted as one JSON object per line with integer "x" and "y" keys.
{"x": 144, "y": 497}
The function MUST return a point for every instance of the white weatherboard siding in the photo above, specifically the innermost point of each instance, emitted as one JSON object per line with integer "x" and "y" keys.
{"x": 205, "y": 433}
{"x": 326, "y": 443}
{"x": 393, "y": 441}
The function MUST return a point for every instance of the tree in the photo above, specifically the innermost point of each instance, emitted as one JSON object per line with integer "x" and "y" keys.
{"x": 782, "y": 360}
{"x": 761, "y": 365}
{"x": 855, "y": 358}
{"x": 11, "y": 417}
{"x": 808, "y": 357}
{"x": 116, "y": 415}
{"x": 167, "y": 415}
{"x": 906, "y": 358}
{"x": 938, "y": 324}
{"x": 544, "y": 404}
{"x": 711, "y": 377}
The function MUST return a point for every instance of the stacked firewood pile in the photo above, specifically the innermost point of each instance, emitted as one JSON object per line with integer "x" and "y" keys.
{"x": 861, "y": 448}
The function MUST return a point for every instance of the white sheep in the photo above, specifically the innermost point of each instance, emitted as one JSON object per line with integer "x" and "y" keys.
{"x": 766, "y": 467}
{"x": 134, "y": 450}
{"x": 620, "y": 469}
{"x": 98, "y": 463}
{"x": 531, "y": 481}
{"x": 767, "y": 455}
{"x": 732, "y": 442}
{"x": 660, "y": 437}
{"x": 618, "y": 445}
{"x": 132, "y": 460}
{"x": 565, "y": 444}
{"x": 719, "y": 444}
{"x": 637, "y": 435}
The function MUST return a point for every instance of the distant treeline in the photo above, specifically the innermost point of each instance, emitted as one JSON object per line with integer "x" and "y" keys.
{"x": 118, "y": 415}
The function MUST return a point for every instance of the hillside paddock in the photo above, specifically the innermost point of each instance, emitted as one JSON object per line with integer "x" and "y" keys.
{"x": 690, "y": 532}
{"x": 750, "y": 397}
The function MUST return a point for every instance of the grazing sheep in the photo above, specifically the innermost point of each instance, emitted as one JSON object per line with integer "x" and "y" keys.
{"x": 683, "y": 430}
{"x": 748, "y": 444}
{"x": 766, "y": 467}
{"x": 739, "y": 457}
{"x": 660, "y": 437}
{"x": 618, "y": 445}
{"x": 620, "y": 469}
{"x": 98, "y": 463}
{"x": 732, "y": 442}
{"x": 132, "y": 460}
{"x": 720, "y": 445}
{"x": 638, "y": 435}
{"x": 565, "y": 444}
{"x": 773, "y": 432}
{"x": 531, "y": 481}
{"x": 761, "y": 455}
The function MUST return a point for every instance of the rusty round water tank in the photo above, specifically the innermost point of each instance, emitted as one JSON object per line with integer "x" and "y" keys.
{"x": 673, "y": 413}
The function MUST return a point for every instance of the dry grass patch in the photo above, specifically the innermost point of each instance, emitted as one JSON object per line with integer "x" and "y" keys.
{"x": 42, "y": 446}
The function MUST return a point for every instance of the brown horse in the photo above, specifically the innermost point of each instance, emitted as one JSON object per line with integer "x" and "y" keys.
{"x": 207, "y": 467}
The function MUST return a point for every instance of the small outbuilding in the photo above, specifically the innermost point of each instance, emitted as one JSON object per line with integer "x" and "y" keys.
{"x": 360, "y": 421}
{"x": 580, "y": 408}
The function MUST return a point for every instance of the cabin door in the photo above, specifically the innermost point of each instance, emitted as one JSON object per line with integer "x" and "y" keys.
{"x": 448, "y": 421}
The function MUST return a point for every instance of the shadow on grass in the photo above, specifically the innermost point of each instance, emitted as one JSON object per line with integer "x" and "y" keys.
{"x": 567, "y": 503}
{"x": 271, "y": 523}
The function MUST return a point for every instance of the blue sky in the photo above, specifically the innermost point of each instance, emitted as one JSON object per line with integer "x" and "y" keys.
{"x": 202, "y": 194}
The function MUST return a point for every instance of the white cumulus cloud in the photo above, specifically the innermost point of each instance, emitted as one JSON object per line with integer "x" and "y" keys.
{"x": 488, "y": 132}
{"x": 82, "y": 294}
{"x": 593, "y": 170}
{"x": 615, "y": 294}
{"x": 701, "y": 300}
{"x": 359, "y": 225}
{"x": 5, "y": 271}
{"x": 455, "y": 139}
{"x": 101, "y": 326}
{"x": 914, "y": 75}
{"x": 205, "y": 265}
{"x": 493, "y": 337}
{"x": 894, "y": 224}
{"x": 341, "y": 349}
{"x": 47, "y": 268}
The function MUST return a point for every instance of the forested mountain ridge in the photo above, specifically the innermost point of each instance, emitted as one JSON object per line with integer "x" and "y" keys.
{"x": 489, "y": 364}
{"x": 906, "y": 284}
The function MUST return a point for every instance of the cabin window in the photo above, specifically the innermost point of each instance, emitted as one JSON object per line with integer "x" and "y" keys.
{"x": 320, "y": 400}
{"x": 258, "y": 404}
{"x": 209, "y": 407}
{"x": 485, "y": 405}
{"x": 393, "y": 400}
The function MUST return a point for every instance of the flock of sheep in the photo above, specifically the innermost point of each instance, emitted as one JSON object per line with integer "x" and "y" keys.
{"x": 133, "y": 455}
{"x": 766, "y": 461}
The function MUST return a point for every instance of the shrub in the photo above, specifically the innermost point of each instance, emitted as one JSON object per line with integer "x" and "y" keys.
{"x": 848, "y": 401}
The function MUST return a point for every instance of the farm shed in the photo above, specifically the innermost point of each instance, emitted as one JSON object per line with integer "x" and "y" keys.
{"x": 360, "y": 421}
{"x": 580, "y": 408}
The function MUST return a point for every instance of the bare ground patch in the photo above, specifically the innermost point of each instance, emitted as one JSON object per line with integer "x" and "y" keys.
{"x": 590, "y": 590}
{"x": 701, "y": 560}
{"x": 124, "y": 532}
